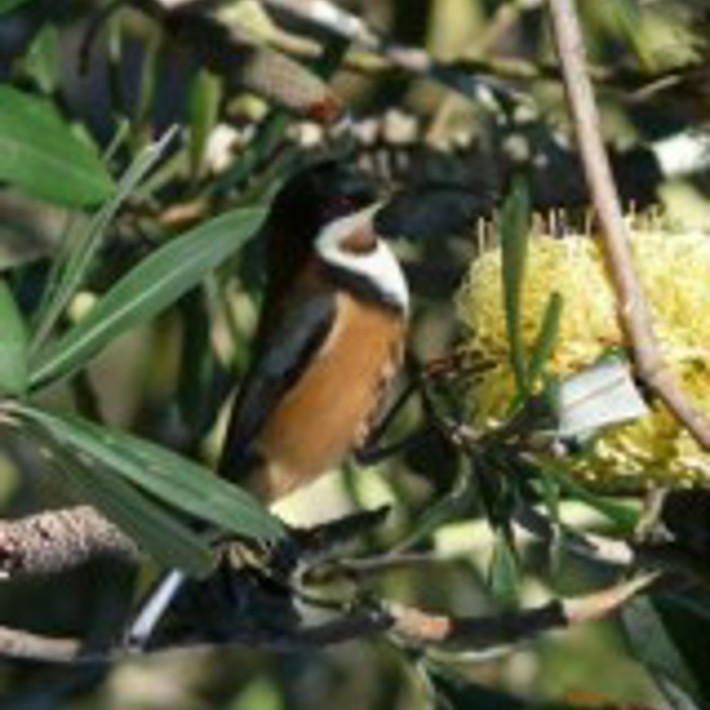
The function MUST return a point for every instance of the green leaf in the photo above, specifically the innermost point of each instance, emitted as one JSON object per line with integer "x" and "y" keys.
{"x": 514, "y": 221}
{"x": 157, "y": 532}
{"x": 197, "y": 401}
{"x": 504, "y": 573}
{"x": 147, "y": 85}
{"x": 550, "y": 489}
{"x": 13, "y": 346}
{"x": 245, "y": 167}
{"x": 39, "y": 153}
{"x": 71, "y": 265}
{"x": 669, "y": 641}
{"x": 623, "y": 516}
{"x": 456, "y": 502}
{"x": 150, "y": 287}
{"x": 169, "y": 477}
{"x": 547, "y": 337}
{"x": 203, "y": 108}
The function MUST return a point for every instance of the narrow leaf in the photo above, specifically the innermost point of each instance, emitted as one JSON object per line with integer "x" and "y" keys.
{"x": 623, "y": 516}
{"x": 39, "y": 153}
{"x": 150, "y": 287}
{"x": 13, "y": 346}
{"x": 666, "y": 639}
{"x": 547, "y": 337}
{"x": 456, "y": 502}
{"x": 514, "y": 221}
{"x": 197, "y": 397}
{"x": 171, "y": 478}
{"x": 244, "y": 168}
{"x": 71, "y": 266}
{"x": 203, "y": 108}
{"x": 147, "y": 84}
{"x": 550, "y": 489}
{"x": 504, "y": 572}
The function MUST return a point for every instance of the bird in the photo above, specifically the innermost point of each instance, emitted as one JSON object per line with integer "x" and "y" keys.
{"x": 329, "y": 340}
{"x": 328, "y": 344}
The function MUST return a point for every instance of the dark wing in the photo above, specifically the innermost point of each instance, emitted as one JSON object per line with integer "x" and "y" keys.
{"x": 285, "y": 351}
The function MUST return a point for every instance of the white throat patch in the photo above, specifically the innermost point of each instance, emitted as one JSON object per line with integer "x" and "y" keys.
{"x": 379, "y": 266}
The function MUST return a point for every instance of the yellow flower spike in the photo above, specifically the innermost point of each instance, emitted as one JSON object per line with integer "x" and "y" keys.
{"x": 674, "y": 269}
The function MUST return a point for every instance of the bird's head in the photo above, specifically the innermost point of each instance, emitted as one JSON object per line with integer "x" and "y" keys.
{"x": 327, "y": 212}
{"x": 320, "y": 196}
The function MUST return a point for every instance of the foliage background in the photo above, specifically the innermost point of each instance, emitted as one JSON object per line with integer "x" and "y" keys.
{"x": 138, "y": 378}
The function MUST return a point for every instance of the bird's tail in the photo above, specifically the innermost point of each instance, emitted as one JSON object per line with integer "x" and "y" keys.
{"x": 152, "y": 610}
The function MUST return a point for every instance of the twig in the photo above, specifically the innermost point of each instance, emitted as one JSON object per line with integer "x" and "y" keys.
{"x": 492, "y": 634}
{"x": 361, "y": 567}
{"x": 633, "y": 312}
{"x": 598, "y": 605}
{"x": 589, "y": 546}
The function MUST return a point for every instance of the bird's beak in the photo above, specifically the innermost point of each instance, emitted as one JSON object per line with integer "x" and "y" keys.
{"x": 364, "y": 221}
{"x": 367, "y": 215}
{"x": 355, "y": 233}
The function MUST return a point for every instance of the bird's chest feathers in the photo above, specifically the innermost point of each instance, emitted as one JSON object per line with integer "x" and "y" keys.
{"x": 327, "y": 412}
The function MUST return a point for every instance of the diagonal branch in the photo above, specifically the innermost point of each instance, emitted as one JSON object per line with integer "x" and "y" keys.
{"x": 633, "y": 312}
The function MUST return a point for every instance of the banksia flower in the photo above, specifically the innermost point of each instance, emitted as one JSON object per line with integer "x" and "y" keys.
{"x": 675, "y": 272}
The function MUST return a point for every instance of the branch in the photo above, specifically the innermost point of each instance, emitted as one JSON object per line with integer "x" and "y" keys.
{"x": 492, "y": 634}
{"x": 595, "y": 548}
{"x": 54, "y": 541}
{"x": 633, "y": 312}
{"x": 480, "y": 635}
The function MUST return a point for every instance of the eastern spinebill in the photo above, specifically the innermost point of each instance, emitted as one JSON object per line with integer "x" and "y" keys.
{"x": 329, "y": 340}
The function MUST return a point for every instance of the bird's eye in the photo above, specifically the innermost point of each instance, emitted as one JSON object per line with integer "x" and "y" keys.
{"x": 341, "y": 203}
{"x": 338, "y": 206}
